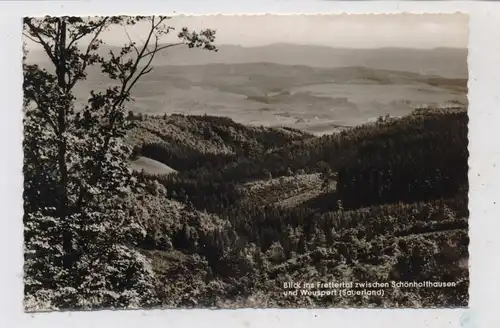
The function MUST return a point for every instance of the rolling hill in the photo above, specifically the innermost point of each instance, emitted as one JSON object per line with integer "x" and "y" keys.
{"x": 150, "y": 166}
{"x": 317, "y": 100}
{"x": 396, "y": 211}
{"x": 312, "y": 88}
{"x": 446, "y": 62}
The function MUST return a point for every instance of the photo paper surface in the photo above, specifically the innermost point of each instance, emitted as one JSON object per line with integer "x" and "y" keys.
{"x": 246, "y": 161}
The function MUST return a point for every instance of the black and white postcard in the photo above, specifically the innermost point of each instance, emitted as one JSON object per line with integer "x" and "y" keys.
{"x": 233, "y": 161}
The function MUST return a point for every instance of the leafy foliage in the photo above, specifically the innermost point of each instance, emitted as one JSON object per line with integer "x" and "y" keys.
{"x": 248, "y": 209}
{"x": 80, "y": 238}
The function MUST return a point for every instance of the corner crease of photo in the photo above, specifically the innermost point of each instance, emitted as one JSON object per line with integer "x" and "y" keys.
{"x": 246, "y": 161}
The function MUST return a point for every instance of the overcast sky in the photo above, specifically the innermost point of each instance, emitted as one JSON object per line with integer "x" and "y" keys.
{"x": 342, "y": 31}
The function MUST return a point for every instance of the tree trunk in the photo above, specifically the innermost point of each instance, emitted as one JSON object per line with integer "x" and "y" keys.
{"x": 61, "y": 71}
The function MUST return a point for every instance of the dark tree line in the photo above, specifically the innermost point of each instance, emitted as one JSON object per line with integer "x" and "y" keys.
{"x": 401, "y": 201}
{"x": 181, "y": 158}
{"x": 430, "y": 163}
{"x": 422, "y": 156}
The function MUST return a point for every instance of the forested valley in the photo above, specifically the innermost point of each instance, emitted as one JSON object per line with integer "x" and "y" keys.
{"x": 249, "y": 208}
{"x": 127, "y": 210}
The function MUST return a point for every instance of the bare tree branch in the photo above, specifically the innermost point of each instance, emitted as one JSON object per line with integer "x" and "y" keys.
{"x": 36, "y": 32}
{"x": 164, "y": 47}
{"x": 146, "y": 67}
{"x": 31, "y": 38}
{"x": 87, "y": 52}
{"x": 98, "y": 27}
{"x": 130, "y": 39}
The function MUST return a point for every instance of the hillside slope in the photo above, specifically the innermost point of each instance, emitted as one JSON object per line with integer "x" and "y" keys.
{"x": 277, "y": 221}
{"x": 190, "y": 142}
{"x": 150, "y": 166}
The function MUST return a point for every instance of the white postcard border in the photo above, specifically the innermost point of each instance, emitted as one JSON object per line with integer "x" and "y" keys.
{"x": 484, "y": 175}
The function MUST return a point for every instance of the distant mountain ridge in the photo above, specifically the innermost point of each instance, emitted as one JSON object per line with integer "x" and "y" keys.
{"x": 445, "y": 62}
{"x": 311, "y": 88}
